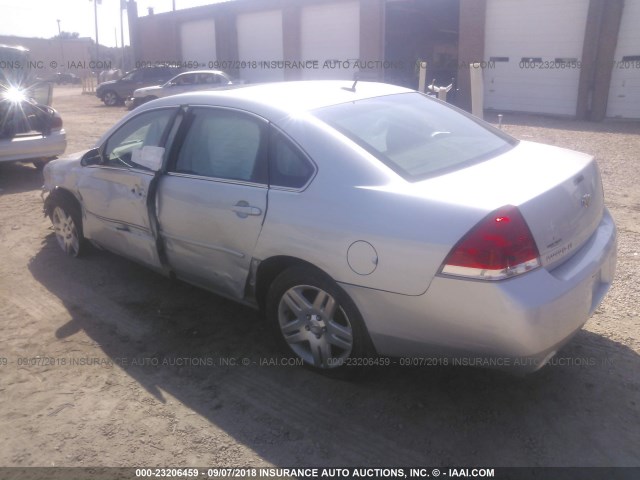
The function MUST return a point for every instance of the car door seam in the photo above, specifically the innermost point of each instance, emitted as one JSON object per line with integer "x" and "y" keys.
{"x": 203, "y": 245}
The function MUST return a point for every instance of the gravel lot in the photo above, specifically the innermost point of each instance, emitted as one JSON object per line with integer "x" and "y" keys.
{"x": 97, "y": 397}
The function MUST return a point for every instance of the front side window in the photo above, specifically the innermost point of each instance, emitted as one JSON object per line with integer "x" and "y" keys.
{"x": 224, "y": 144}
{"x": 143, "y": 130}
{"x": 416, "y": 136}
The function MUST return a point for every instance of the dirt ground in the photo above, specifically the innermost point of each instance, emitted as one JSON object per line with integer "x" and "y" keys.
{"x": 104, "y": 363}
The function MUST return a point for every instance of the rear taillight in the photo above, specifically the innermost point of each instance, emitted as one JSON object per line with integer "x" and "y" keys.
{"x": 498, "y": 247}
{"x": 56, "y": 122}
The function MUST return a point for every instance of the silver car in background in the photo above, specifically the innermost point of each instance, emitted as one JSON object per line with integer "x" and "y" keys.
{"x": 185, "y": 82}
{"x": 30, "y": 129}
{"x": 363, "y": 219}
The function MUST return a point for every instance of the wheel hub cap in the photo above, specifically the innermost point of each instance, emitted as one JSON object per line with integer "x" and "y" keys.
{"x": 316, "y": 325}
{"x": 65, "y": 231}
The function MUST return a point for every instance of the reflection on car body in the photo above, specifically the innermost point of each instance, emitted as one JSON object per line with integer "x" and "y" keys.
{"x": 362, "y": 220}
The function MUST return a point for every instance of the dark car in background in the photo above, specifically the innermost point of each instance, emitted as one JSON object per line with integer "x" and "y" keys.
{"x": 115, "y": 92}
{"x": 67, "y": 78}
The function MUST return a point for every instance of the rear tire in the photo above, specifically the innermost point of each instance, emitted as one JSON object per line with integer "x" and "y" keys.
{"x": 67, "y": 224}
{"x": 317, "y": 321}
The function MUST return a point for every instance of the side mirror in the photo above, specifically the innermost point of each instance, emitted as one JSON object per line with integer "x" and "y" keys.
{"x": 92, "y": 157}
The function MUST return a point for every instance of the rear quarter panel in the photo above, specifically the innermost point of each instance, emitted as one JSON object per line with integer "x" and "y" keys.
{"x": 354, "y": 197}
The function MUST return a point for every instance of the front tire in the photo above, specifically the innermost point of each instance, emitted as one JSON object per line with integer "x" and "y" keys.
{"x": 316, "y": 320}
{"x": 41, "y": 162}
{"x": 67, "y": 224}
{"x": 110, "y": 98}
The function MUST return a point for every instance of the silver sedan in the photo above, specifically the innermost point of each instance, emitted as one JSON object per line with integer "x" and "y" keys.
{"x": 367, "y": 221}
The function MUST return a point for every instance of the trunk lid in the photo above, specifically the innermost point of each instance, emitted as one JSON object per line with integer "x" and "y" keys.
{"x": 558, "y": 191}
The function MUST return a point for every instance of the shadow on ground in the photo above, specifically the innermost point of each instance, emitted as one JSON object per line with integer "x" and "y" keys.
{"x": 17, "y": 177}
{"x": 581, "y": 410}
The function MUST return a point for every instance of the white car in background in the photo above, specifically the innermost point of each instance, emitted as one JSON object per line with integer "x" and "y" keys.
{"x": 184, "y": 82}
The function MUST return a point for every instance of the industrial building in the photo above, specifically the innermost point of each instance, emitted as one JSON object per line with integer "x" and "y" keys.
{"x": 575, "y": 58}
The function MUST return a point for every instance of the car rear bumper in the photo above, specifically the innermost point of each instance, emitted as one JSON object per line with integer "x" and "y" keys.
{"x": 30, "y": 147}
{"x": 518, "y": 323}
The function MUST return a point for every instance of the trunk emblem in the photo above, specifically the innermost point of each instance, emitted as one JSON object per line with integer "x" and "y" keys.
{"x": 586, "y": 200}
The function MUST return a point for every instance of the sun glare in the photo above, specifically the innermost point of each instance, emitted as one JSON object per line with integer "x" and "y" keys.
{"x": 14, "y": 95}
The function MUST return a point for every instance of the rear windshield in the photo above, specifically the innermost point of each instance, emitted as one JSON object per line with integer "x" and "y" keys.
{"x": 416, "y": 136}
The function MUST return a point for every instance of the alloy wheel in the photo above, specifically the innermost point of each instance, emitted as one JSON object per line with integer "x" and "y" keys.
{"x": 66, "y": 231}
{"x": 315, "y": 326}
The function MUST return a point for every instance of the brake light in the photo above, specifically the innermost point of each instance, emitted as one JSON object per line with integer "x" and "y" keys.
{"x": 500, "y": 246}
{"x": 56, "y": 122}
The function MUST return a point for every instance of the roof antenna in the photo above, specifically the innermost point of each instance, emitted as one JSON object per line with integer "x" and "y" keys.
{"x": 353, "y": 87}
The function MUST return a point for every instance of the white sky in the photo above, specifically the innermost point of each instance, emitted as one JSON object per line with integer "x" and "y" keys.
{"x": 37, "y": 18}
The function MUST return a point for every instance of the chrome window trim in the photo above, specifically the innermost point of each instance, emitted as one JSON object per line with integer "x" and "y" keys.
{"x": 148, "y": 173}
{"x": 217, "y": 179}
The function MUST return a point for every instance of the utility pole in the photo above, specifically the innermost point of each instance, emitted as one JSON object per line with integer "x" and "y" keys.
{"x": 95, "y": 14}
{"x": 60, "y": 40}
{"x": 123, "y": 6}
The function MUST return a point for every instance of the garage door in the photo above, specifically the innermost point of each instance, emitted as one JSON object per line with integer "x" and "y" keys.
{"x": 624, "y": 93}
{"x": 260, "y": 45}
{"x": 331, "y": 35}
{"x": 534, "y": 48}
{"x": 198, "y": 40}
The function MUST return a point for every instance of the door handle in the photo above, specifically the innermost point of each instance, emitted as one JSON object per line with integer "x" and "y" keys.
{"x": 243, "y": 209}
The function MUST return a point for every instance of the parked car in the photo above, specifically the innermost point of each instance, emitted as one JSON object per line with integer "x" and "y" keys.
{"x": 29, "y": 128}
{"x": 363, "y": 219}
{"x": 181, "y": 83}
{"x": 115, "y": 92}
{"x": 67, "y": 78}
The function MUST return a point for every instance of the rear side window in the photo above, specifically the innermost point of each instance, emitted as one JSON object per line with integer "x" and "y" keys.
{"x": 135, "y": 76}
{"x": 209, "y": 78}
{"x": 224, "y": 144}
{"x": 416, "y": 136}
{"x": 186, "y": 79}
{"x": 288, "y": 166}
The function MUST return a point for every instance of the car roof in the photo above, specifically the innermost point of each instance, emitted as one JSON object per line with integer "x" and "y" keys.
{"x": 276, "y": 100}
{"x": 218, "y": 72}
